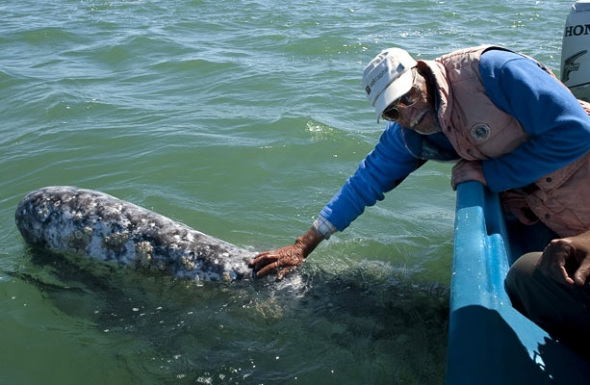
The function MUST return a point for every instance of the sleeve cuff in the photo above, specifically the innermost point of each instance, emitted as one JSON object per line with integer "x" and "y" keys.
{"x": 324, "y": 227}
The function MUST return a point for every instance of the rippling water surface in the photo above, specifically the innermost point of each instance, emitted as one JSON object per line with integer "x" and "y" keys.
{"x": 241, "y": 119}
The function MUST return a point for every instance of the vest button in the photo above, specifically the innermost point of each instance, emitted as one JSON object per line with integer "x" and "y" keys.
{"x": 549, "y": 180}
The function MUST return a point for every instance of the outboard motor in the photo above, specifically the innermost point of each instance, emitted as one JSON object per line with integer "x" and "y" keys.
{"x": 575, "y": 50}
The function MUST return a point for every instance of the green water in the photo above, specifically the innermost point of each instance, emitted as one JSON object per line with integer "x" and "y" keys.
{"x": 241, "y": 119}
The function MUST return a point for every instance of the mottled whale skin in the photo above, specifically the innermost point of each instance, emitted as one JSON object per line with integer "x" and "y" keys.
{"x": 70, "y": 220}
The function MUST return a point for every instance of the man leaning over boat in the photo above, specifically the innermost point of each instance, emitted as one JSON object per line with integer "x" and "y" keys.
{"x": 507, "y": 122}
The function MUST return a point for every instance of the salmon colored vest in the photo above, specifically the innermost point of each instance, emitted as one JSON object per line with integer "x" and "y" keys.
{"x": 478, "y": 130}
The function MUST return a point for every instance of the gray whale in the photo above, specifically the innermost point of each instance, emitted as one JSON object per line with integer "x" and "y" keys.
{"x": 69, "y": 220}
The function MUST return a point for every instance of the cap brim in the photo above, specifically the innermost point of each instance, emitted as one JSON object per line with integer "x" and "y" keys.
{"x": 395, "y": 90}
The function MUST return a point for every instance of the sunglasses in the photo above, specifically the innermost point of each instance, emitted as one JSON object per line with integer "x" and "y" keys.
{"x": 392, "y": 112}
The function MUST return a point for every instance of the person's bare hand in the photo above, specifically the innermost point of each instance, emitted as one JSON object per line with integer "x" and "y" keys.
{"x": 283, "y": 260}
{"x": 567, "y": 260}
{"x": 286, "y": 259}
{"x": 465, "y": 171}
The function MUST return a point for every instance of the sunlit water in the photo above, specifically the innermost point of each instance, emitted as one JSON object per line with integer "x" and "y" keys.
{"x": 240, "y": 119}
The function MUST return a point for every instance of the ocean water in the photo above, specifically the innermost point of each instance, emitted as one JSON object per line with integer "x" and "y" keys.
{"x": 240, "y": 118}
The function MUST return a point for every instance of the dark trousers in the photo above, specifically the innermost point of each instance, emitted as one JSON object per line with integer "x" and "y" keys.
{"x": 562, "y": 310}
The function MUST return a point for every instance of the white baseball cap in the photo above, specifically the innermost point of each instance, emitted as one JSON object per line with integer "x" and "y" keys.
{"x": 388, "y": 77}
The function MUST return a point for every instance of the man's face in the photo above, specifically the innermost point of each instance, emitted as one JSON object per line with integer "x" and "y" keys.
{"x": 415, "y": 110}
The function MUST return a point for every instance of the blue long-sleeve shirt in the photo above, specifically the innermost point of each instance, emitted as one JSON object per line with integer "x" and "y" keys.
{"x": 558, "y": 129}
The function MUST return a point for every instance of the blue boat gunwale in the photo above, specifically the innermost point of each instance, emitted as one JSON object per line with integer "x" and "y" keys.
{"x": 489, "y": 341}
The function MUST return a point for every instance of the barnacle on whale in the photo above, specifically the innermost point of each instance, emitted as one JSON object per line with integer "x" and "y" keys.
{"x": 115, "y": 241}
{"x": 143, "y": 254}
{"x": 79, "y": 239}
